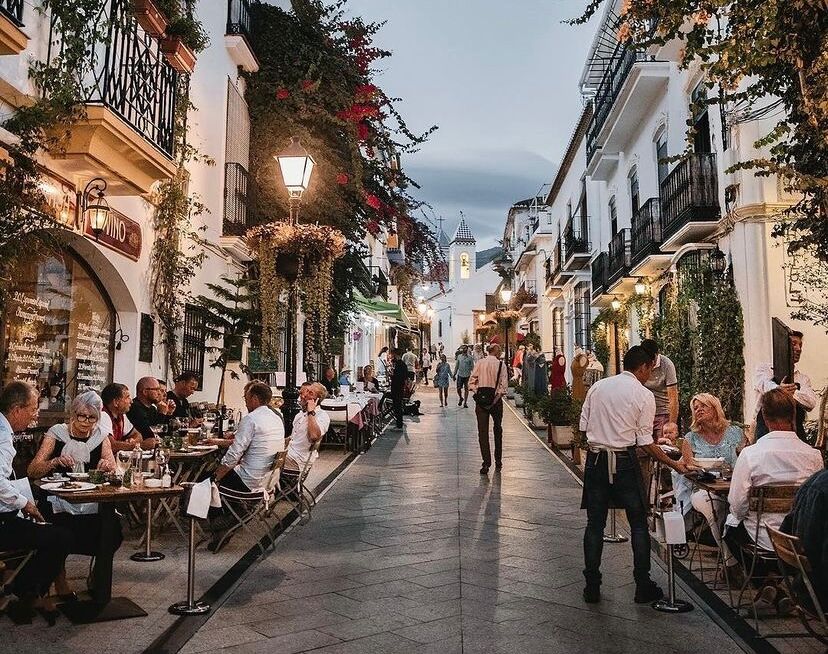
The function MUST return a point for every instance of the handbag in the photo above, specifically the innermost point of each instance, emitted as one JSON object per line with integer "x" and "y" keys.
{"x": 484, "y": 397}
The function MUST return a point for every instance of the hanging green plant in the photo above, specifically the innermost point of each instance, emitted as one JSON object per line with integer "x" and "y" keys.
{"x": 305, "y": 253}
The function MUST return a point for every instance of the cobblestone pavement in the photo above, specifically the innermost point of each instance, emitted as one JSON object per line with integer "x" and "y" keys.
{"x": 413, "y": 551}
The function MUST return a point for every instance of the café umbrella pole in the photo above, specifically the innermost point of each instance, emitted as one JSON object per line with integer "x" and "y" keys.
{"x": 614, "y": 536}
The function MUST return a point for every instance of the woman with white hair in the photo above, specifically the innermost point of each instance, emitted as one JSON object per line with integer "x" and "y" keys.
{"x": 712, "y": 436}
{"x": 80, "y": 443}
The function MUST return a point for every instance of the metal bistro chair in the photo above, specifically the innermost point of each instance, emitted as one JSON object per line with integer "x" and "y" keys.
{"x": 11, "y": 563}
{"x": 340, "y": 429}
{"x": 770, "y": 498}
{"x": 796, "y": 571}
{"x": 252, "y": 507}
{"x": 297, "y": 494}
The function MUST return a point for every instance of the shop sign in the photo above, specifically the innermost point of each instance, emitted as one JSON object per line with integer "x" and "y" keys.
{"x": 121, "y": 234}
{"x": 60, "y": 201}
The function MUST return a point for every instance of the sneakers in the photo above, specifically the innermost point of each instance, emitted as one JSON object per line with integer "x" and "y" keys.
{"x": 647, "y": 592}
{"x": 592, "y": 594}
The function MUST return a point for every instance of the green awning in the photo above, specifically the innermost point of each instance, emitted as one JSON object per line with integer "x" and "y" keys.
{"x": 387, "y": 311}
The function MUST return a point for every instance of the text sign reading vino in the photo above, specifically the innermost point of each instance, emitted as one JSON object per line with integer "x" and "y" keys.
{"x": 121, "y": 234}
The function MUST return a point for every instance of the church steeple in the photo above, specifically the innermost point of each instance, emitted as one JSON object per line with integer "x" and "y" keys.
{"x": 462, "y": 257}
{"x": 463, "y": 233}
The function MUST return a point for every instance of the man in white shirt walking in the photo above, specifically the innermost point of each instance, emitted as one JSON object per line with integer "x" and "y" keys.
{"x": 778, "y": 458}
{"x": 490, "y": 373}
{"x": 617, "y": 417}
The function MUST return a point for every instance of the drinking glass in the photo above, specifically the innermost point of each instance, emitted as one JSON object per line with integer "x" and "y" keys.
{"x": 122, "y": 462}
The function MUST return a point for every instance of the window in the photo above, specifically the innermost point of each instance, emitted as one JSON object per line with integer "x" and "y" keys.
{"x": 146, "y": 341}
{"x": 582, "y": 205}
{"x": 635, "y": 195}
{"x": 58, "y": 331}
{"x": 194, "y": 343}
{"x": 583, "y": 316}
{"x": 613, "y": 213}
{"x": 661, "y": 156}
{"x": 557, "y": 330}
{"x": 440, "y": 328}
{"x": 701, "y": 121}
{"x": 465, "y": 265}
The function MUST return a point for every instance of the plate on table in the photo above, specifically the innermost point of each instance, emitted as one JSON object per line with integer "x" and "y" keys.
{"x": 78, "y": 476}
{"x": 201, "y": 448}
{"x": 710, "y": 463}
{"x": 51, "y": 479}
{"x": 68, "y": 486}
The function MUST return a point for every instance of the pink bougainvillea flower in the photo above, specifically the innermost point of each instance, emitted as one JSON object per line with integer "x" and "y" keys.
{"x": 308, "y": 85}
{"x": 373, "y": 201}
{"x": 373, "y": 227}
{"x": 282, "y": 93}
{"x": 363, "y": 132}
{"x": 342, "y": 179}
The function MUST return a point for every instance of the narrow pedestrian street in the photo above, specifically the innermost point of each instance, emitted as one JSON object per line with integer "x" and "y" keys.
{"x": 411, "y": 550}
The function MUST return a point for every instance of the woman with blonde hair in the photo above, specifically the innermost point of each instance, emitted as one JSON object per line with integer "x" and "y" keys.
{"x": 712, "y": 436}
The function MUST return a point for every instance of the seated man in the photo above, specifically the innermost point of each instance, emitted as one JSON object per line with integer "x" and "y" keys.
{"x": 309, "y": 425}
{"x": 808, "y": 521}
{"x": 117, "y": 402}
{"x": 259, "y": 437}
{"x": 778, "y": 458}
{"x": 149, "y": 408}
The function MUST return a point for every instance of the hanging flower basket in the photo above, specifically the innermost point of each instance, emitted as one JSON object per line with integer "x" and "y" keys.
{"x": 178, "y": 54}
{"x": 507, "y": 317}
{"x": 149, "y": 17}
{"x": 304, "y": 254}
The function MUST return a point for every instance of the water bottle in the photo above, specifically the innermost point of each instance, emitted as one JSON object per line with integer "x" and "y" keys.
{"x": 221, "y": 414}
{"x": 137, "y": 469}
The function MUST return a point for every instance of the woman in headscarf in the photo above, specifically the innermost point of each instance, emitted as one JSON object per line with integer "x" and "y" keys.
{"x": 80, "y": 444}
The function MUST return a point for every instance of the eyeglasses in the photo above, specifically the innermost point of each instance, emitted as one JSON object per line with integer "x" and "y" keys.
{"x": 82, "y": 417}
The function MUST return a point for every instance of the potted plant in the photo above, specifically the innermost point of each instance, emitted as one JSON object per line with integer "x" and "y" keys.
{"x": 541, "y": 412}
{"x": 185, "y": 36}
{"x": 519, "y": 396}
{"x": 557, "y": 414}
{"x": 510, "y": 390}
{"x": 149, "y": 17}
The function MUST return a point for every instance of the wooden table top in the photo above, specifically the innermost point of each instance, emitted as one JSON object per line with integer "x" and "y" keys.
{"x": 717, "y": 486}
{"x": 192, "y": 454}
{"x": 107, "y": 493}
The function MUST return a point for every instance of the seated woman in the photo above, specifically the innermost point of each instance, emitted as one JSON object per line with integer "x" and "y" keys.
{"x": 712, "y": 436}
{"x": 370, "y": 380}
{"x": 81, "y": 443}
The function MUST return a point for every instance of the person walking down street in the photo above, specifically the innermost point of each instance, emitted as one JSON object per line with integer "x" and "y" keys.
{"x": 425, "y": 365}
{"x": 463, "y": 366}
{"x": 410, "y": 361}
{"x": 477, "y": 352}
{"x": 432, "y": 352}
{"x": 489, "y": 381}
{"x": 399, "y": 376}
{"x": 617, "y": 417}
{"x": 442, "y": 378}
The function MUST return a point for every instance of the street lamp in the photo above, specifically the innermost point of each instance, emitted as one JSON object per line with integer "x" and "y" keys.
{"x": 505, "y": 294}
{"x": 296, "y": 166}
{"x": 94, "y": 206}
{"x": 425, "y": 311}
{"x": 718, "y": 262}
{"x": 640, "y": 286}
{"x": 615, "y": 304}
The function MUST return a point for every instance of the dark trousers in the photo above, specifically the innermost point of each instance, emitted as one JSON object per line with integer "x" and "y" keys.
{"x": 397, "y": 401}
{"x": 737, "y": 538}
{"x": 495, "y": 412}
{"x": 51, "y": 543}
{"x": 462, "y": 384}
{"x": 230, "y": 481}
{"x": 624, "y": 492}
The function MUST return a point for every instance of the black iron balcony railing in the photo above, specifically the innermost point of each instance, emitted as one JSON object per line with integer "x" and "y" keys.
{"x": 130, "y": 75}
{"x": 236, "y": 181}
{"x": 618, "y": 257}
{"x": 556, "y": 261}
{"x": 238, "y": 17}
{"x": 646, "y": 231}
{"x": 599, "y": 275}
{"x": 13, "y": 10}
{"x": 574, "y": 241}
{"x": 622, "y": 62}
{"x": 690, "y": 193}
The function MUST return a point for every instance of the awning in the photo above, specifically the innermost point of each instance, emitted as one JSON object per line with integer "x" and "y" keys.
{"x": 388, "y": 312}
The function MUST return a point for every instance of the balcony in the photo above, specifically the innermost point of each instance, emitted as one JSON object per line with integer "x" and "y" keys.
{"x": 237, "y": 36}
{"x": 599, "y": 276}
{"x": 690, "y": 202}
{"x": 12, "y": 39}
{"x": 576, "y": 245}
{"x": 525, "y": 299}
{"x": 235, "y": 223}
{"x": 630, "y": 84}
{"x": 558, "y": 275}
{"x": 127, "y": 132}
{"x": 380, "y": 282}
{"x": 618, "y": 258}
{"x": 646, "y": 257}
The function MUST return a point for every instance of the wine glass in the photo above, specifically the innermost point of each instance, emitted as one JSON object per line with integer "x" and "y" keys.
{"x": 122, "y": 462}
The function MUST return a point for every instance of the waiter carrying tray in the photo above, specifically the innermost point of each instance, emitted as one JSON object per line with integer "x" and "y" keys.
{"x": 617, "y": 417}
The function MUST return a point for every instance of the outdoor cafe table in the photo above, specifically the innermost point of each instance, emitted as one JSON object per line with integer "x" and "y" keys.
{"x": 103, "y": 607}
{"x": 715, "y": 488}
{"x": 359, "y": 404}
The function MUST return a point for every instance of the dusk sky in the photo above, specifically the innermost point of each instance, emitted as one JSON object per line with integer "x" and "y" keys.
{"x": 501, "y": 81}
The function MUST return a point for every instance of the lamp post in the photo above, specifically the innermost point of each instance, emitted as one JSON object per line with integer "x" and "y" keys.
{"x": 505, "y": 296}
{"x": 296, "y": 166}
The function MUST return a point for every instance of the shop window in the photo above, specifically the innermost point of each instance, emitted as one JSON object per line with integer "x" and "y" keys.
{"x": 57, "y": 331}
{"x": 194, "y": 343}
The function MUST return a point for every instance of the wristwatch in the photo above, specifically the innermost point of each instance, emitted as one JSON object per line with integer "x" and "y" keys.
{"x": 311, "y": 413}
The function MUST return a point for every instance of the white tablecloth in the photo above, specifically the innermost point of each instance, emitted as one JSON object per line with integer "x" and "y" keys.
{"x": 357, "y": 403}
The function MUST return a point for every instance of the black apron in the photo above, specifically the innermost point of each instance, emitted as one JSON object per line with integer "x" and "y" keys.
{"x": 632, "y": 453}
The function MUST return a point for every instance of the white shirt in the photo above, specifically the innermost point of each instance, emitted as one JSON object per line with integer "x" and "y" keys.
{"x": 300, "y": 445}
{"x": 618, "y": 412}
{"x": 779, "y": 457}
{"x": 10, "y": 499}
{"x": 763, "y": 382}
{"x": 259, "y": 436}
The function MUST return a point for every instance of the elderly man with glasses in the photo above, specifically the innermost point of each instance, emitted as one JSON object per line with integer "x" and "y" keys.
{"x": 149, "y": 408}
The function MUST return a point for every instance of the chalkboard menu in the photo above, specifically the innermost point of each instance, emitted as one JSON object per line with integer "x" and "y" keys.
{"x": 147, "y": 338}
{"x": 57, "y": 332}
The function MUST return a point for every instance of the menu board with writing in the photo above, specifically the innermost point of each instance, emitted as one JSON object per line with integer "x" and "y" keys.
{"x": 57, "y": 332}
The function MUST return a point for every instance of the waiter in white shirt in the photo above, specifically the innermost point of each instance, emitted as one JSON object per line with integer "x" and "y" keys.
{"x": 800, "y": 389}
{"x": 617, "y": 417}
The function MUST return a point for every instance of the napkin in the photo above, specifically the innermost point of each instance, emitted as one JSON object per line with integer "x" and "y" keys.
{"x": 200, "y": 497}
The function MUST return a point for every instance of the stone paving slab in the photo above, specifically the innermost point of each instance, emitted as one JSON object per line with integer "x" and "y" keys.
{"x": 413, "y": 551}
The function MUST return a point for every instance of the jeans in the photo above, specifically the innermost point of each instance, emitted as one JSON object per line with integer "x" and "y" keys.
{"x": 496, "y": 413}
{"x": 51, "y": 545}
{"x": 626, "y": 493}
{"x": 397, "y": 401}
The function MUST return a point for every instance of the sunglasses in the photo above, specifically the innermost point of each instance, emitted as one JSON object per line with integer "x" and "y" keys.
{"x": 82, "y": 417}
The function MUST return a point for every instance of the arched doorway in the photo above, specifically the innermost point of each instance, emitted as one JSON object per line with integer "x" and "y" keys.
{"x": 58, "y": 330}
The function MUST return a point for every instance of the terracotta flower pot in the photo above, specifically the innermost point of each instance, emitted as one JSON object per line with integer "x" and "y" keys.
{"x": 179, "y": 56}
{"x": 149, "y": 17}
